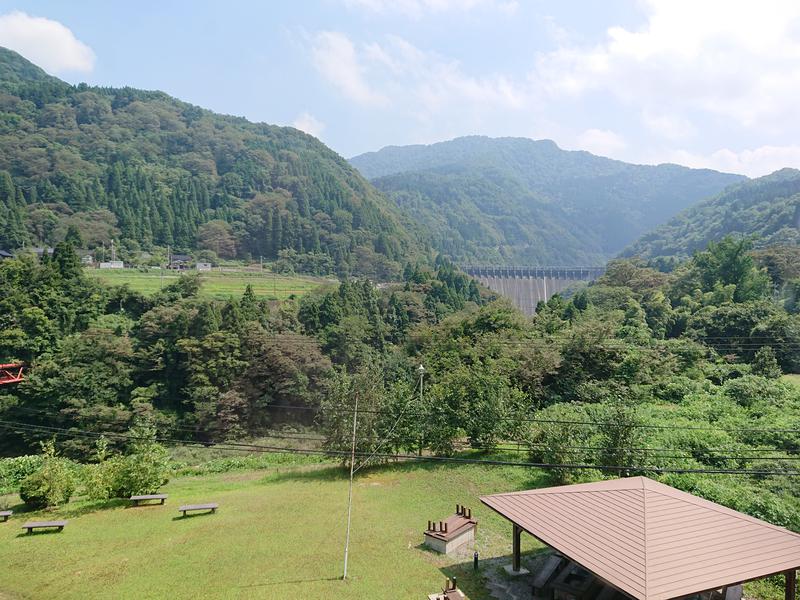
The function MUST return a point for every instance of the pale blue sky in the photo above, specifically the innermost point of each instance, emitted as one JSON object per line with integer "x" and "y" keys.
{"x": 711, "y": 83}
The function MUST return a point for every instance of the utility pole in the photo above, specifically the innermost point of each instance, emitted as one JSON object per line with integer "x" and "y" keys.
{"x": 350, "y": 493}
{"x": 421, "y": 371}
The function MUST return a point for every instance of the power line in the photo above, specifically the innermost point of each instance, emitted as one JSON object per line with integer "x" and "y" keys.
{"x": 520, "y": 419}
{"x": 193, "y": 430}
{"x": 450, "y": 459}
{"x": 655, "y": 452}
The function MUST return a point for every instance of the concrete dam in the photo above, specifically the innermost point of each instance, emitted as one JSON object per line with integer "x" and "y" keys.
{"x": 527, "y": 286}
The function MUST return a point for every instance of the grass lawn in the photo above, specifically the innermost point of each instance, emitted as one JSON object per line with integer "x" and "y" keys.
{"x": 216, "y": 284}
{"x": 279, "y": 534}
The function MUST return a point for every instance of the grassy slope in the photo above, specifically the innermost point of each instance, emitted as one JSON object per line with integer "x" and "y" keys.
{"x": 216, "y": 284}
{"x": 277, "y": 535}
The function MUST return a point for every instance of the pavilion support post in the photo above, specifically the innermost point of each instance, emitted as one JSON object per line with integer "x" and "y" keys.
{"x": 516, "y": 552}
{"x": 791, "y": 584}
{"x": 515, "y": 568}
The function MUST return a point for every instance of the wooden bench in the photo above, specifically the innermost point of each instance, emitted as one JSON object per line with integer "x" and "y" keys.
{"x": 607, "y": 593}
{"x": 212, "y": 507}
{"x": 545, "y": 574}
{"x": 137, "y": 500}
{"x": 733, "y": 592}
{"x": 5, "y": 514}
{"x": 31, "y": 525}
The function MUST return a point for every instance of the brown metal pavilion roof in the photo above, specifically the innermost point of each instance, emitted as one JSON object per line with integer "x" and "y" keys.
{"x": 649, "y": 540}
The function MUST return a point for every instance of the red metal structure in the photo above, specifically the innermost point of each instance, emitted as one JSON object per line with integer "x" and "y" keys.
{"x": 11, "y": 373}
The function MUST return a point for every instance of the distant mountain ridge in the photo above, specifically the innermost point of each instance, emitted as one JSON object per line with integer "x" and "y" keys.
{"x": 516, "y": 200}
{"x": 150, "y": 171}
{"x": 767, "y": 208}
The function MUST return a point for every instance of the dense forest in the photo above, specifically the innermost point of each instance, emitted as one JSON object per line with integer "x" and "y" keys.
{"x": 641, "y": 371}
{"x": 150, "y": 172}
{"x": 766, "y": 209}
{"x": 520, "y": 201}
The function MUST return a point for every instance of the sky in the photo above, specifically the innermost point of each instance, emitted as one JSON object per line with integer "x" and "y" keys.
{"x": 704, "y": 83}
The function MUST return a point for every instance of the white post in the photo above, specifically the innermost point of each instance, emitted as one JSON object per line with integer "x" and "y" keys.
{"x": 421, "y": 371}
{"x": 350, "y": 493}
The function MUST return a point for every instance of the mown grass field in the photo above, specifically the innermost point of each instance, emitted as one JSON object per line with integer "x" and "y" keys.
{"x": 216, "y": 284}
{"x": 279, "y": 534}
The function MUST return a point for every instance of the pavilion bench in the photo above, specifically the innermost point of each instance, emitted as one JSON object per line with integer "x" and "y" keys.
{"x": 607, "y": 593}
{"x": 137, "y": 500}
{"x": 5, "y": 514}
{"x": 211, "y": 506}
{"x": 733, "y": 592}
{"x": 31, "y": 525}
{"x": 545, "y": 574}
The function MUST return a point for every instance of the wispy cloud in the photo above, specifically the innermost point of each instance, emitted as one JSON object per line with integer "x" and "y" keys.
{"x": 753, "y": 162}
{"x": 335, "y": 58}
{"x": 425, "y": 85}
{"x": 307, "y": 122}
{"x": 601, "y": 141}
{"x": 49, "y": 44}
{"x": 418, "y": 8}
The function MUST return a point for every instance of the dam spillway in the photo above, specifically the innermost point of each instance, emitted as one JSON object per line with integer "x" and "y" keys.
{"x": 527, "y": 286}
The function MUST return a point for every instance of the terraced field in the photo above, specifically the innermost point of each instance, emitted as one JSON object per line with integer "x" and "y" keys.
{"x": 216, "y": 284}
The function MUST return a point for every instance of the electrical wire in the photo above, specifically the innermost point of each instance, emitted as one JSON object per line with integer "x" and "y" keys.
{"x": 412, "y": 457}
{"x": 520, "y": 419}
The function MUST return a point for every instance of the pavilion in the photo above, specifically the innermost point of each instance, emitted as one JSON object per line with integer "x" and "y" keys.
{"x": 649, "y": 540}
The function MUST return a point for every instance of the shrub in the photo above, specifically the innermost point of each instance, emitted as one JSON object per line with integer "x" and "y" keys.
{"x": 142, "y": 471}
{"x": 14, "y": 470}
{"x": 99, "y": 479}
{"x": 102, "y": 480}
{"x": 51, "y": 485}
{"x": 749, "y": 390}
{"x": 766, "y": 364}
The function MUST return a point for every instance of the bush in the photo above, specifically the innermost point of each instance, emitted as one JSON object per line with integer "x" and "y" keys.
{"x": 14, "y": 470}
{"x": 51, "y": 485}
{"x": 766, "y": 364}
{"x": 101, "y": 480}
{"x": 142, "y": 471}
{"x": 137, "y": 474}
{"x": 749, "y": 390}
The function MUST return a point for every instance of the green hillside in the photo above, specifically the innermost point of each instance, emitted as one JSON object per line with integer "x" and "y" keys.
{"x": 515, "y": 200}
{"x": 767, "y": 208}
{"x": 152, "y": 171}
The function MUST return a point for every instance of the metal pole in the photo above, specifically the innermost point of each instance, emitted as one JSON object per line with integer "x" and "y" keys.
{"x": 421, "y": 371}
{"x": 350, "y": 493}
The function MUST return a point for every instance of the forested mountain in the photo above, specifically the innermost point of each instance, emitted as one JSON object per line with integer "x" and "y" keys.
{"x": 152, "y": 171}
{"x": 767, "y": 208}
{"x": 515, "y": 200}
